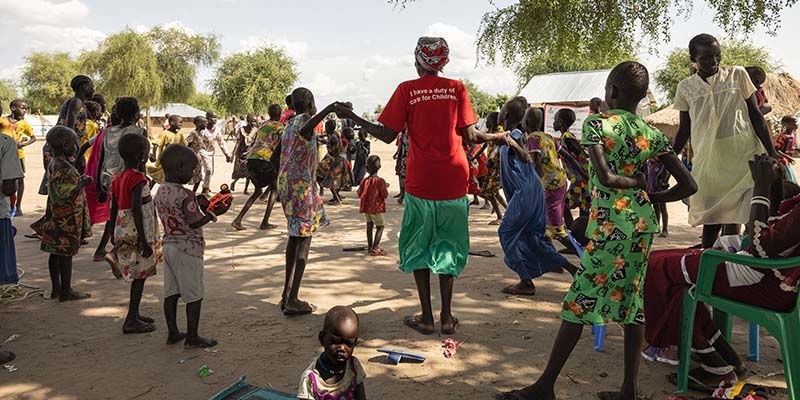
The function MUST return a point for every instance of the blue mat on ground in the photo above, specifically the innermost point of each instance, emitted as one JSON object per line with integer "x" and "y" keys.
{"x": 241, "y": 390}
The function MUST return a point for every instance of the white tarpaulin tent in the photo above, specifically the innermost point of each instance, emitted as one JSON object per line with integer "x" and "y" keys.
{"x": 570, "y": 90}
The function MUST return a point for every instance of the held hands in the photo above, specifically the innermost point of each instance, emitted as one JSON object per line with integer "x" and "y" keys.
{"x": 765, "y": 169}
{"x": 341, "y": 109}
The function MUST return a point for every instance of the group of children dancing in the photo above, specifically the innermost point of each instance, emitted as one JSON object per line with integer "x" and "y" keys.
{"x": 604, "y": 174}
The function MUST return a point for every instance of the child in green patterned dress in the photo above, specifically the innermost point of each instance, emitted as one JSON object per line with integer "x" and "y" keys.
{"x": 608, "y": 284}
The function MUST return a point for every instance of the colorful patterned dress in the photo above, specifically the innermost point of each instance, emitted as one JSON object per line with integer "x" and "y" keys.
{"x": 490, "y": 183}
{"x": 126, "y": 239}
{"x": 195, "y": 142}
{"x": 554, "y": 180}
{"x": 608, "y": 285}
{"x": 578, "y": 195}
{"x": 66, "y": 220}
{"x": 297, "y": 188}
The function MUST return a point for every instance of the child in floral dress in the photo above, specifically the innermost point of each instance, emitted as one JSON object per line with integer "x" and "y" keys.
{"x": 136, "y": 239}
{"x": 297, "y": 191}
{"x": 66, "y": 220}
{"x": 608, "y": 283}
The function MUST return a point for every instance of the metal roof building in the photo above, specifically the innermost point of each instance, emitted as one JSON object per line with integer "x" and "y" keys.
{"x": 184, "y": 110}
{"x": 566, "y": 87}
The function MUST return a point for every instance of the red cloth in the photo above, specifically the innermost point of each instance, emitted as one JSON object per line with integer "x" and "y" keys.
{"x": 434, "y": 109}
{"x": 761, "y": 97}
{"x": 122, "y": 187}
{"x": 373, "y": 194}
{"x": 664, "y": 287}
{"x": 285, "y": 115}
{"x": 98, "y": 212}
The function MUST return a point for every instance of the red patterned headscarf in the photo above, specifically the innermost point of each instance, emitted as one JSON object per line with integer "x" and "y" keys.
{"x": 432, "y": 53}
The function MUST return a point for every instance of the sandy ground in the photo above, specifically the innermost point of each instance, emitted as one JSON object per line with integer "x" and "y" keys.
{"x": 77, "y": 349}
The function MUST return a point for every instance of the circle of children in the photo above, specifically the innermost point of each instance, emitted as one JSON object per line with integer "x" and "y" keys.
{"x": 442, "y": 158}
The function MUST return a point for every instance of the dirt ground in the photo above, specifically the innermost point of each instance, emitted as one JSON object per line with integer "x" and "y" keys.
{"x": 76, "y": 350}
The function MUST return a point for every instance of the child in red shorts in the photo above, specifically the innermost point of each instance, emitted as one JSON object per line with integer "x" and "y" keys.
{"x": 373, "y": 193}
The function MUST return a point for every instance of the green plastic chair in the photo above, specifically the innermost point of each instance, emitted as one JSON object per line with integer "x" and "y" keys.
{"x": 785, "y": 327}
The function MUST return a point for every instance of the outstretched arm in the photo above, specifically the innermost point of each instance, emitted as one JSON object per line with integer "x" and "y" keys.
{"x": 472, "y": 135}
{"x": 380, "y": 131}
{"x": 307, "y": 130}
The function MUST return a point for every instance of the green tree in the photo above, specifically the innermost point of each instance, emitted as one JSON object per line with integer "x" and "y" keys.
{"x": 482, "y": 103}
{"x": 125, "y": 65}
{"x": 45, "y": 80}
{"x": 500, "y": 100}
{"x": 7, "y": 93}
{"x": 528, "y": 30}
{"x": 582, "y": 59}
{"x": 250, "y": 82}
{"x": 734, "y": 52}
{"x": 378, "y": 109}
{"x": 205, "y": 102}
{"x": 178, "y": 54}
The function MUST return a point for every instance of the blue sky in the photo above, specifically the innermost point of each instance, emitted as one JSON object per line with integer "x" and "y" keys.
{"x": 356, "y": 50}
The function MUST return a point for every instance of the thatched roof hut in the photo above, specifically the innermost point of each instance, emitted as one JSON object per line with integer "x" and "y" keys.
{"x": 666, "y": 120}
{"x": 783, "y": 93}
{"x": 782, "y": 90}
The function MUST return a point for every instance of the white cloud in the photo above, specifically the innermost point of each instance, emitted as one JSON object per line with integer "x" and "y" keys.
{"x": 61, "y": 38}
{"x": 324, "y": 86}
{"x": 44, "y": 12}
{"x": 295, "y": 49}
{"x": 11, "y": 73}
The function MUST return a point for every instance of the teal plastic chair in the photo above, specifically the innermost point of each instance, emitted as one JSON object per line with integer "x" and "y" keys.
{"x": 785, "y": 327}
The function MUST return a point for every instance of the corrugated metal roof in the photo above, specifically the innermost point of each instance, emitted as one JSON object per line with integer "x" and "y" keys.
{"x": 184, "y": 110}
{"x": 564, "y": 87}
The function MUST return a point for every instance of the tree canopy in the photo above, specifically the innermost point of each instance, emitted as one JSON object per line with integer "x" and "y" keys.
{"x": 178, "y": 54}
{"x": 601, "y": 33}
{"x": 250, "y": 82}
{"x": 125, "y": 65}
{"x": 7, "y": 93}
{"x": 45, "y": 80}
{"x": 482, "y": 103}
{"x": 205, "y": 102}
{"x": 734, "y": 52}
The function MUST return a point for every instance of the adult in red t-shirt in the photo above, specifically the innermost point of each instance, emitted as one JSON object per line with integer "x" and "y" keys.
{"x": 434, "y": 236}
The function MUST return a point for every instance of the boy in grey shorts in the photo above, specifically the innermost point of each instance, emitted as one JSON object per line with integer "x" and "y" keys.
{"x": 183, "y": 244}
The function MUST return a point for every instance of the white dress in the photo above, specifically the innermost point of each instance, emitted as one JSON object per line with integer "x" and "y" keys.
{"x": 723, "y": 140}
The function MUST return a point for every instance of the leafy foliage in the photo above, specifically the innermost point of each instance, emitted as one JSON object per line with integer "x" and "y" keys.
{"x": 592, "y": 34}
{"x": 482, "y": 103}
{"x": 45, "y": 80}
{"x": 178, "y": 54}
{"x": 7, "y": 93}
{"x": 205, "y": 102}
{"x": 125, "y": 65}
{"x": 734, "y": 52}
{"x": 250, "y": 82}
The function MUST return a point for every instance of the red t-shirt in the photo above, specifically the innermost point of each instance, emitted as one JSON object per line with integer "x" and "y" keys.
{"x": 122, "y": 187}
{"x": 285, "y": 115}
{"x": 433, "y": 108}
{"x": 373, "y": 194}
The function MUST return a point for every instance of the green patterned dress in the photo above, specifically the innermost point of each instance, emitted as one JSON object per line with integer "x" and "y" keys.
{"x": 610, "y": 279}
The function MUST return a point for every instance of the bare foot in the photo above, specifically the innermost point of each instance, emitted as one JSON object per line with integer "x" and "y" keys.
{"x": 198, "y": 342}
{"x": 54, "y": 294}
{"x": 449, "y": 324}
{"x": 173, "y": 338}
{"x": 145, "y": 319}
{"x": 237, "y": 225}
{"x": 496, "y": 222}
{"x": 531, "y": 392}
{"x": 264, "y": 227}
{"x": 74, "y": 295}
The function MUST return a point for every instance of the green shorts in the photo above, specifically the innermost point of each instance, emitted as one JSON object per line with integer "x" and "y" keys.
{"x": 434, "y": 235}
{"x": 376, "y": 219}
